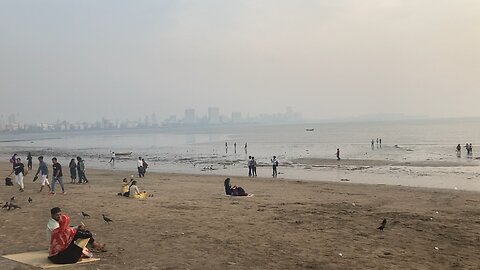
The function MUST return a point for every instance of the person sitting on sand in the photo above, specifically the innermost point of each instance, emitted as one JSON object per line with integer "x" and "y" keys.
{"x": 233, "y": 191}
{"x": 125, "y": 187}
{"x": 135, "y": 193}
{"x": 67, "y": 243}
{"x": 53, "y": 223}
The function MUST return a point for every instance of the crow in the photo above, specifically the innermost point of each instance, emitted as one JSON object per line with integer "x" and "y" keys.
{"x": 85, "y": 215}
{"x": 382, "y": 226}
{"x": 107, "y": 219}
{"x": 5, "y": 205}
{"x": 12, "y": 198}
{"x": 30, "y": 200}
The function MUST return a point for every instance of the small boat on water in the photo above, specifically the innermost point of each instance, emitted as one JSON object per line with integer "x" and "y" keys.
{"x": 309, "y": 129}
{"x": 123, "y": 153}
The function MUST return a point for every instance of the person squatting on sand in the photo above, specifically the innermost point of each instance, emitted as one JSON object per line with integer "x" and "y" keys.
{"x": 19, "y": 170}
{"x": 233, "y": 191}
{"x": 134, "y": 192}
{"x": 68, "y": 244}
{"x": 43, "y": 170}
{"x": 57, "y": 176}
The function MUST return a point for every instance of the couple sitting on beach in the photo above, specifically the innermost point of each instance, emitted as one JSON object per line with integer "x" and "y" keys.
{"x": 130, "y": 189}
{"x": 68, "y": 244}
{"x": 233, "y": 191}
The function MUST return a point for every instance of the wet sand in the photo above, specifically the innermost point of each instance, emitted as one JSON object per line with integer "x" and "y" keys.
{"x": 191, "y": 224}
{"x": 369, "y": 162}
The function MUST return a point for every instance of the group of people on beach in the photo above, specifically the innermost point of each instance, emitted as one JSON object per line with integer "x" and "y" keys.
{"x": 252, "y": 166}
{"x": 18, "y": 168}
{"x": 141, "y": 167}
{"x": 379, "y": 143}
{"x": 468, "y": 147}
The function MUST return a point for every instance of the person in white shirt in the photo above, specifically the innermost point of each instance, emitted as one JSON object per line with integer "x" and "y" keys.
{"x": 140, "y": 167}
{"x": 112, "y": 159}
{"x": 274, "y": 166}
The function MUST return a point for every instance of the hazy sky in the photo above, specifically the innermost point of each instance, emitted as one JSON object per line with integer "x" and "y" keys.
{"x": 82, "y": 60}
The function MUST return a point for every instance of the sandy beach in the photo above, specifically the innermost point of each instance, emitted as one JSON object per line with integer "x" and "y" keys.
{"x": 191, "y": 224}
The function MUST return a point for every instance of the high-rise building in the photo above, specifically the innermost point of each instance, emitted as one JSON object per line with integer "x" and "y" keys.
{"x": 189, "y": 116}
{"x": 236, "y": 117}
{"x": 213, "y": 115}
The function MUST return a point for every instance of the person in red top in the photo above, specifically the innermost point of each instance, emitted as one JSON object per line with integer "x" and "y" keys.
{"x": 64, "y": 249}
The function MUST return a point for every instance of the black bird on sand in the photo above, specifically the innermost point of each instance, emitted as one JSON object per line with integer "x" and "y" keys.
{"x": 382, "y": 226}
{"x": 12, "y": 198}
{"x": 85, "y": 215}
{"x": 30, "y": 200}
{"x": 107, "y": 219}
{"x": 13, "y": 206}
{"x": 5, "y": 205}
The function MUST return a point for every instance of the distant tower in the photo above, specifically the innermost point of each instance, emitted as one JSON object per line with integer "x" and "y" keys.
{"x": 236, "y": 117}
{"x": 189, "y": 116}
{"x": 213, "y": 115}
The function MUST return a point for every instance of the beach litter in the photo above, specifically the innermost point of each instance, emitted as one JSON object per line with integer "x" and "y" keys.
{"x": 340, "y": 254}
{"x": 436, "y": 248}
{"x": 345, "y": 180}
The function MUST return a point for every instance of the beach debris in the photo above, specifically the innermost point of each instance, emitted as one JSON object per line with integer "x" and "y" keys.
{"x": 30, "y": 200}
{"x": 382, "y": 226}
{"x": 431, "y": 218}
{"x": 353, "y": 204}
{"x": 182, "y": 233}
{"x": 436, "y": 248}
{"x": 340, "y": 254}
{"x": 436, "y": 212}
{"x": 455, "y": 188}
{"x": 345, "y": 180}
{"x": 85, "y": 215}
{"x": 107, "y": 220}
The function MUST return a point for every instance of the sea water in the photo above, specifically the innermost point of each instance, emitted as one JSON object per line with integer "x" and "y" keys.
{"x": 211, "y": 148}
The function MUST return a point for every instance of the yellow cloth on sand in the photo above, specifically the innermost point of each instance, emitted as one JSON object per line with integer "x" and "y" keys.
{"x": 142, "y": 195}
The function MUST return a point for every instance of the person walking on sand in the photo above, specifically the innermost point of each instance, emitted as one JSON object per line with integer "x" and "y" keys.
{"x": 19, "y": 171}
{"x": 274, "y": 166}
{"x": 459, "y": 149}
{"x": 140, "y": 167}
{"x": 73, "y": 170}
{"x": 249, "y": 165}
{"x": 29, "y": 161}
{"x": 112, "y": 159}
{"x": 338, "y": 153}
{"x": 57, "y": 176}
{"x": 43, "y": 170}
{"x": 245, "y": 148}
{"x": 82, "y": 178}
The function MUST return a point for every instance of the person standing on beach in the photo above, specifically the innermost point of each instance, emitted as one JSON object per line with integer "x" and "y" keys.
{"x": 145, "y": 166}
{"x": 19, "y": 171}
{"x": 459, "y": 150}
{"x": 57, "y": 176}
{"x": 274, "y": 166}
{"x": 73, "y": 170}
{"x": 82, "y": 178}
{"x": 235, "y": 147}
{"x": 338, "y": 153}
{"x": 140, "y": 167}
{"x": 254, "y": 167}
{"x": 29, "y": 161}
{"x": 43, "y": 170}
{"x": 245, "y": 148}
{"x": 373, "y": 144}
{"x": 249, "y": 165}
{"x": 226, "y": 147}
{"x": 112, "y": 159}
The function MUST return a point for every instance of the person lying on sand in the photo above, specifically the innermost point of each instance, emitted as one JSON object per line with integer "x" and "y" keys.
{"x": 53, "y": 223}
{"x": 233, "y": 191}
{"x": 135, "y": 193}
